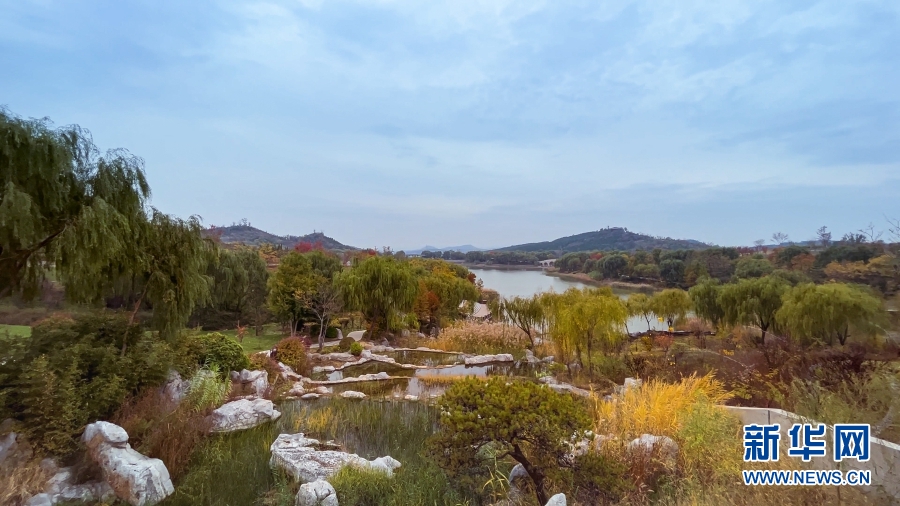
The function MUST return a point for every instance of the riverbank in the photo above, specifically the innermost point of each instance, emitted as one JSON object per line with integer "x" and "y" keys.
{"x": 501, "y": 267}
{"x": 584, "y": 278}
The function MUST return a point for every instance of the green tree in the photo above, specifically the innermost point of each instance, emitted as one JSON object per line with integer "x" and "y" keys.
{"x": 239, "y": 284}
{"x": 290, "y": 286}
{"x": 705, "y": 300}
{"x": 525, "y": 313}
{"x": 672, "y": 270}
{"x": 671, "y": 304}
{"x": 595, "y": 316}
{"x": 166, "y": 264}
{"x": 753, "y": 267}
{"x": 62, "y": 206}
{"x": 638, "y": 304}
{"x": 827, "y": 312}
{"x": 380, "y": 287}
{"x": 753, "y": 301}
{"x": 528, "y": 422}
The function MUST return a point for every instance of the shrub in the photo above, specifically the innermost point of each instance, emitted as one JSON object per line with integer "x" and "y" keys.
{"x": 526, "y": 421}
{"x": 292, "y": 352}
{"x": 356, "y": 349}
{"x": 74, "y": 371}
{"x": 159, "y": 429}
{"x": 345, "y": 344}
{"x": 330, "y": 332}
{"x": 217, "y": 349}
{"x": 263, "y": 362}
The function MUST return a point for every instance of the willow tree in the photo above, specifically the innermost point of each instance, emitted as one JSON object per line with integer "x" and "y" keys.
{"x": 594, "y": 317}
{"x": 525, "y": 313}
{"x": 164, "y": 264}
{"x": 380, "y": 287}
{"x": 638, "y": 304}
{"x": 63, "y": 207}
{"x": 705, "y": 299}
{"x": 825, "y": 313}
{"x": 753, "y": 301}
{"x": 672, "y": 305}
{"x": 239, "y": 284}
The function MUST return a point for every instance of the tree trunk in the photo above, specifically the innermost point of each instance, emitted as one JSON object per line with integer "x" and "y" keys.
{"x": 137, "y": 305}
{"x": 321, "y": 334}
{"x": 590, "y": 360}
{"x": 293, "y": 327}
{"x": 537, "y": 477}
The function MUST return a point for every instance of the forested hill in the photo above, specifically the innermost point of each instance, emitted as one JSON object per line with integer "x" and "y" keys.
{"x": 254, "y": 236}
{"x": 609, "y": 239}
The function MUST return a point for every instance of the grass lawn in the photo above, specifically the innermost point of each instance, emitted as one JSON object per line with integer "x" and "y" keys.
{"x": 16, "y": 330}
{"x": 253, "y": 343}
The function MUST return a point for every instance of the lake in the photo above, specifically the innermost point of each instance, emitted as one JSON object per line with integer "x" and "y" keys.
{"x": 515, "y": 283}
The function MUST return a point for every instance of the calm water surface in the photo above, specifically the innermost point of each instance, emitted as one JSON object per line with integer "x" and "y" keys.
{"x": 527, "y": 283}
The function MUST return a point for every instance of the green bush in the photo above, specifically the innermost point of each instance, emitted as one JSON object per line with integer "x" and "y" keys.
{"x": 216, "y": 349}
{"x": 345, "y": 344}
{"x": 330, "y": 332}
{"x": 356, "y": 349}
{"x": 358, "y": 487}
{"x": 74, "y": 371}
{"x": 291, "y": 352}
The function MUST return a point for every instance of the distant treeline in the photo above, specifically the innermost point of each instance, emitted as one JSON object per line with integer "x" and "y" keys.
{"x": 492, "y": 257}
{"x": 874, "y": 264}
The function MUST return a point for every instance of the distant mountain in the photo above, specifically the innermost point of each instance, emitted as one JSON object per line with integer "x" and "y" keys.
{"x": 608, "y": 239}
{"x": 465, "y": 248}
{"x": 253, "y": 236}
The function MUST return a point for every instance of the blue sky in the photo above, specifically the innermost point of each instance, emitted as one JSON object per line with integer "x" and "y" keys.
{"x": 406, "y": 123}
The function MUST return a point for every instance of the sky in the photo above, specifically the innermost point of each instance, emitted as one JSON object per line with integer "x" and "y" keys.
{"x": 486, "y": 122}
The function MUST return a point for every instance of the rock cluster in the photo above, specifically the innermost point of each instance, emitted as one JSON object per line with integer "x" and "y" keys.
{"x": 242, "y": 414}
{"x": 487, "y": 359}
{"x": 256, "y": 381}
{"x": 135, "y": 478}
{"x": 308, "y": 460}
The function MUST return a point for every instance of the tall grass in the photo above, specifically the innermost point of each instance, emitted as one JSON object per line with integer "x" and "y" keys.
{"x": 657, "y": 407}
{"x": 480, "y": 338}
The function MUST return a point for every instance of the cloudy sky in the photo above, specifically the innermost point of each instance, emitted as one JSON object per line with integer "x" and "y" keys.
{"x": 490, "y": 122}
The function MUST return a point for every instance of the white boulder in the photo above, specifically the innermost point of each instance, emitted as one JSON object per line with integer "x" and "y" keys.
{"x": 323, "y": 368}
{"x": 258, "y": 381}
{"x": 242, "y": 414}
{"x": 175, "y": 387}
{"x": 487, "y": 359}
{"x": 316, "y": 493}
{"x": 308, "y": 460}
{"x": 663, "y": 447}
{"x": 557, "y": 500}
{"x": 353, "y": 394}
{"x": 310, "y": 396}
{"x": 134, "y": 478}
{"x": 357, "y": 335}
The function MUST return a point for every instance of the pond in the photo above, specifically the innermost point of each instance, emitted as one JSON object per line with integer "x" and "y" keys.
{"x": 428, "y": 381}
{"x": 521, "y": 283}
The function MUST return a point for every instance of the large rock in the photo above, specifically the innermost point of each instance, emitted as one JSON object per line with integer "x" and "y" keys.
{"x": 488, "y": 359}
{"x": 357, "y": 335}
{"x": 256, "y": 381}
{"x": 242, "y": 414}
{"x": 353, "y": 394}
{"x": 135, "y": 478}
{"x": 316, "y": 493}
{"x": 530, "y": 358}
{"x": 308, "y": 460}
{"x": 175, "y": 388}
{"x": 8, "y": 446}
{"x": 661, "y": 447}
{"x": 557, "y": 500}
